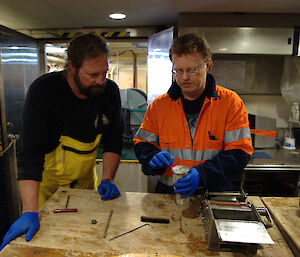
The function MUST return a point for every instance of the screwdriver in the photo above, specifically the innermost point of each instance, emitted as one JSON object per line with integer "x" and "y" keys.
{"x": 66, "y": 209}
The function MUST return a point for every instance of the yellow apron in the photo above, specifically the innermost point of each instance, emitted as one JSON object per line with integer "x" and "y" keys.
{"x": 71, "y": 164}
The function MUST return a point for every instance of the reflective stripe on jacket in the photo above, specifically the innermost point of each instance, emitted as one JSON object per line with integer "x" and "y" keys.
{"x": 222, "y": 125}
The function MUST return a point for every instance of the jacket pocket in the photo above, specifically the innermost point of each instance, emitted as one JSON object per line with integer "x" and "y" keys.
{"x": 167, "y": 141}
{"x": 215, "y": 144}
{"x": 76, "y": 163}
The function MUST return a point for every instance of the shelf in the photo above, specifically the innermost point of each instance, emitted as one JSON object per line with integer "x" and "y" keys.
{"x": 294, "y": 121}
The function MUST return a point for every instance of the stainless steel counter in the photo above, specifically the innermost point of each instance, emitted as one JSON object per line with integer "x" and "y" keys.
{"x": 280, "y": 160}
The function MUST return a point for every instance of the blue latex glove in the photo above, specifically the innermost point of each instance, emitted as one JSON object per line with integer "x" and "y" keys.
{"x": 28, "y": 223}
{"x": 161, "y": 160}
{"x": 108, "y": 190}
{"x": 188, "y": 184}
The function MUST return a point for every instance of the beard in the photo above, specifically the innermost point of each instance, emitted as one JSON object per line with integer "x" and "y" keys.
{"x": 90, "y": 91}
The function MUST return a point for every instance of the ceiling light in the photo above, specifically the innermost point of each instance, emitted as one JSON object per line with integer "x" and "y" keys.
{"x": 117, "y": 16}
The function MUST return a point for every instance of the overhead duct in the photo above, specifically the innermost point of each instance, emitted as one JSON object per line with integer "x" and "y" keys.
{"x": 245, "y": 33}
{"x": 246, "y": 40}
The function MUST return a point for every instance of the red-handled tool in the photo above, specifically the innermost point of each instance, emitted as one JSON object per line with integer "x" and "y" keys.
{"x": 66, "y": 209}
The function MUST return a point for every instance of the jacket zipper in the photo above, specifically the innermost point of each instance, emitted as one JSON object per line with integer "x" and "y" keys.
{"x": 68, "y": 148}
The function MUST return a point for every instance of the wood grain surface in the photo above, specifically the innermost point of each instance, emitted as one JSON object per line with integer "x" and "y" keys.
{"x": 73, "y": 234}
{"x": 286, "y": 214}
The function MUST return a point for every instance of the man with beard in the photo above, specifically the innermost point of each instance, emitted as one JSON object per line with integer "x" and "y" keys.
{"x": 67, "y": 115}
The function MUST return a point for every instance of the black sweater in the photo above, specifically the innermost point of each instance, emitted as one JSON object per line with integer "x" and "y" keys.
{"x": 51, "y": 110}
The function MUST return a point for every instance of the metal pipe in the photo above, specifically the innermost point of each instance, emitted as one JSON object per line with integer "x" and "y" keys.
{"x": 129, "y": 231}
{"x": 134, "y": 66}
{"x": 107, "y": 224}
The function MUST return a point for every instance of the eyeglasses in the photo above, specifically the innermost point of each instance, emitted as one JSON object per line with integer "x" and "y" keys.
{"x": 190, "y": 72}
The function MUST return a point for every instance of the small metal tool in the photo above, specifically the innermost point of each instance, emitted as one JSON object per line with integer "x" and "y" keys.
{"x": 155, "y": 219}
{"x": 66, "y": 209}
{"x": 67, "y": 202}
{"x": 107, "y": 223}
{"x": 129, "y": 231}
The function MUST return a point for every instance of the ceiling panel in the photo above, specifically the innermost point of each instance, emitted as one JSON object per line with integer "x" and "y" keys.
{"x": 47, "y": 14}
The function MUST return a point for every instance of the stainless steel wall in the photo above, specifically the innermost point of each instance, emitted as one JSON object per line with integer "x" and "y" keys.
{"x": 19, "y": 66}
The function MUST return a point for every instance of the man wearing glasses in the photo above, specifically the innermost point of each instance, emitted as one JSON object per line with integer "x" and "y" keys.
{"x": 197, "y": 123}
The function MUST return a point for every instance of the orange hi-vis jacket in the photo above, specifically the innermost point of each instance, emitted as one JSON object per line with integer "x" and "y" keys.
{"x": 222, "y": 125}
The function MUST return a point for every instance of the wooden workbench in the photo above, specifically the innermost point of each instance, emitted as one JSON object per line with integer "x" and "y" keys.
{"x": 286, "y": 213}
{"x": 73, "y": 234}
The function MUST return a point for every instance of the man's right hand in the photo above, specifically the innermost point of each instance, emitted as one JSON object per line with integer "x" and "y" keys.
{"x": 161, "y": 160}
{"x": 28, "y": 223}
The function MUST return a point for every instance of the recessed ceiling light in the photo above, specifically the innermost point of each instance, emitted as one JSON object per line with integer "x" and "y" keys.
{"x": 117, "y": 16}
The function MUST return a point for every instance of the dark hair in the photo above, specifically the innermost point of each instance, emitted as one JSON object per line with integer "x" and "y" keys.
{"x": 188, "y": 44}
{"x": 86, "y": 46}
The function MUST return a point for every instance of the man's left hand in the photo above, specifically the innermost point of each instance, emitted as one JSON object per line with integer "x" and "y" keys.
{"x": 108, "y": 190}
{"x": 188, "y": 184}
